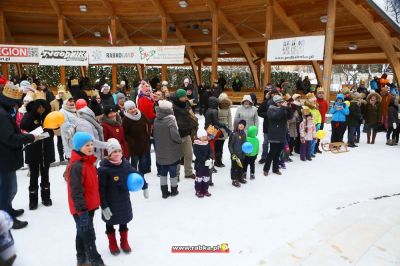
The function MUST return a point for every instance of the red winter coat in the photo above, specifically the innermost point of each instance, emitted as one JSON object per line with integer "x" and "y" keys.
{"x": 323, "y": 108}
{"x": 83, "y": 184}
{"x": 146, "y": 106}
{"x": 114, "y": 129}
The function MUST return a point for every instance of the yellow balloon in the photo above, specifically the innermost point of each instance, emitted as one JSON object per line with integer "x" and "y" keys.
{"x": 53, "y": 120}
{"x": 347, "y": 103}
{"x": 321, "y": 134}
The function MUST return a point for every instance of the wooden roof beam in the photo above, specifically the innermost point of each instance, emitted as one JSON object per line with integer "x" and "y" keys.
{"x": 67, "y": 29}
{"x": 288, "y": 21}
{"x": 381, "y": 36}
{"x": 243, "y": 45}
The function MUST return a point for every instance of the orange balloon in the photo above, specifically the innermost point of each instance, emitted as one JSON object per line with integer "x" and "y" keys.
{"x": 53, "y": 120}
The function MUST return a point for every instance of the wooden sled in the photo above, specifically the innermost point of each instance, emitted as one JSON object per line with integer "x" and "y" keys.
{"x": 335, "y": 147}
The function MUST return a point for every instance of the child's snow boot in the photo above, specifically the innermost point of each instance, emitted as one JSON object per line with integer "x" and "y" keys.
{"x": 242, "y": 180}
{"x": 165, "y": 192}
{"x": 112, "y": 243}
{"x": 207, "y": 194}
{"x": 45, "y": 194}
{"x": 252, "y": 176}
{"x": 199, "y": 194}
{"x": 174, "y": 191}
{"x": 389, "y": 142}
{"x": 124, "y": 242}
{"x": 33, "y": 199}
{"x": 235, "y": 183}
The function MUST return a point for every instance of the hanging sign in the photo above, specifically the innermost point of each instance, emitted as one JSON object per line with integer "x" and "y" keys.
{"x": 19, "y": 54}
{"x": 113, "y": 55}
{"x": 63, "y": 56}
{"x": 307, "y": 48}
{"x": 162, "y": 54}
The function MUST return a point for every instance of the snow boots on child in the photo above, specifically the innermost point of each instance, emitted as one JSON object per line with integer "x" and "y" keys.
{"x": 112, "y": 243}
{"x": 124, "y": 241}
{"x": 45, "y": 194}
{"x": 33, "y": 199}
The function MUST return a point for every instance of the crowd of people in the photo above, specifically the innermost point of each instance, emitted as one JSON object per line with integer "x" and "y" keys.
{"x": 108, "y": 135}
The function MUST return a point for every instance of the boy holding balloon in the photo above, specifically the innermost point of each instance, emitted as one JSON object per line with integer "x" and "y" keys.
{"x": 236, "y": 141}
{"x": 116, "y": 178}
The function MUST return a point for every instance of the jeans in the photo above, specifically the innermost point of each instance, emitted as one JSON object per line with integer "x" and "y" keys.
{"x": 305, "y": 150}
{"x": 249, "y": 160}
{"x": 265, "y": 147}
{"x": 351, "y": 134}
{"x": 8, "y": 189}
{"x": 171, "y": 169}
{"x": 273, "y": 157}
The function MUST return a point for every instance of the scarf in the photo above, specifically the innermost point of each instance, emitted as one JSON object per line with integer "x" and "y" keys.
{"x": 69, "y": 108}
{"x": 135, "y": 117}
{"x": 200, "y": 142}
{"x": 112, "y": 122}
{"x": 115, "y": 158}
{"x": 94, "y": 122}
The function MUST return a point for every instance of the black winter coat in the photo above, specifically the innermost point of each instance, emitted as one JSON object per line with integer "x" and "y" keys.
{"x": 236, "y": 140}
{"x": 96, "y": 107}
{"x": 114, "y": 191}
{"x": 211, "y": 115}
{"x": 42, "y": 151}
{"x": 202, "y": 153}
{"x": 393, "y": 116}
{"x": 277, "y": 123}
{"x": 181, "y": 112}
{"x": 262, "y": 112}
{"x": 355, "y": 116}
{"x": 11, "y": 141}
{"x": 107, "y": 99}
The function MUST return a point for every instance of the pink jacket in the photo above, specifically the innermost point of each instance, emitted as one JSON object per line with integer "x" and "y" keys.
{"x": 311, "y": 130}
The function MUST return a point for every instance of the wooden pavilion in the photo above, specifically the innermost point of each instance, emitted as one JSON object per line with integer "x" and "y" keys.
{"x": 209, "y": 29}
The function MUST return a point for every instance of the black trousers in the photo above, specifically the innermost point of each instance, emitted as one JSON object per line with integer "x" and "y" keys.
{"x": 249, "y": 160}
{"x": 110, "y": 228}
{"x": 219, "y": 147}
{"x": 236, "y": 171}
{"x": 35, "y": 169}
{"x": 338, "y": 130}
{"x": 275, "y": 150}
{"x": 60, "y": 148}
{"x": 393, "y": 132}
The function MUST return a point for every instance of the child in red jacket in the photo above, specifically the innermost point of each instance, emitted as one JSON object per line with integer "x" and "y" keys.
{"x": 323, "y": 109}
{"x": 83, "y": 197}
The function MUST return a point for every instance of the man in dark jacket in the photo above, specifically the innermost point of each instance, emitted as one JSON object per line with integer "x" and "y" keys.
{"x": 262, "y": 112}
{"x": 354, "y": 119}
{"x": 278, "y": 115}
{"x": 185, "y": 127}
{"x": 11, "y": 158}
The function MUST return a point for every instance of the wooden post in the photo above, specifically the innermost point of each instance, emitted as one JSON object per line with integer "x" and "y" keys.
{"x": 113, "y": 43}
{"x": 268, "y": 33}
{"x": 199, "y": 65}
{"x": 164, "y": 42}
{"x": 317, "y": 71}
{"x": 61, "y": 39}
{"x": 19, "y": 69}
{"x": 4, "y": 66}
{"x": 329, "y": 38}
{"x": 214, "y": 47}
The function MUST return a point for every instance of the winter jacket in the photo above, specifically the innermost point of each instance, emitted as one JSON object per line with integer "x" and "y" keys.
{"x": 212, "y": 115}
{"x": 11, "y": 141}
{"x": 323, "y": 108}
{"x": 202, "y": 151}
{"x": 168, "y": 142}
{"x": 96, "y": 107}
{"x": 114, "y": 129}
{"x": 249, "y": 114}
{"x": 277, "y": 123}
{"x": 114, "y": 193}
{"x": 83, "y": 184}
{"x": 67, "y": 130}
{"x": 182, "y": 116}
{"x": 225, "y": 115}
{"x": 374, "y": 85}
{"x": 292, "y": 125}
{"x": 252, "y": 138}
{"x": 386, "y": 99}
{"x": 235, "y": 143}
{"x": 41, "y": 151}
{"x": 393, "y": 116}
{"x": 87, "y": 123}
{"x": 372, "y": 113}
{"x": 355, "y": 115}
{"x": 107, "y": 99}
{"x": 339, "y": 115}
{"x": 146, "y": 106}
{"x": 316, "y": 116}
{"x": 262, "y": 112}
{"x": 307, "y": 130}
{"x": 137, "y": 135}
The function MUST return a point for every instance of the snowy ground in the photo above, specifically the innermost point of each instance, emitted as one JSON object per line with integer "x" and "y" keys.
{"x": 258, "y": 220}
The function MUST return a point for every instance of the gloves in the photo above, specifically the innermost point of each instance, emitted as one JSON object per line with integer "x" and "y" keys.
{"x": 234, "y": 157}
{"x": 146, "y": 193}
{"x": 84, "y": 223}
{"x": 106, "y": 213}
{"x": 208, "y": 163}
{"x": 394, "y": 125}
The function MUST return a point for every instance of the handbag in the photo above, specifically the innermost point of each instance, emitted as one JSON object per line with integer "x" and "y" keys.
{"x": 212, "y": 131}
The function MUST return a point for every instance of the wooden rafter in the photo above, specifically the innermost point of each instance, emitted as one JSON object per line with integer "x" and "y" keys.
{"x": 189, "y": 50}
{"x": 288, "y": 21}
{"x": 382, "y": 37}
{"x": 317, "y": 70}
{"x": 243, "y": 45}
{"x": 67, "y": 29}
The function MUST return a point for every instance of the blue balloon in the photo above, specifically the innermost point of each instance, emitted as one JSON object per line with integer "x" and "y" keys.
{"x": 134, "y": 182}
{"x": 247, "y": 147}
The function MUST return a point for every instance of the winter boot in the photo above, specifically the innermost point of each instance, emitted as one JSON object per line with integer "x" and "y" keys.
{"x": 165, "y": 192}
{"x": 244, "y": 175}
{"x": 45, "y": 194}
{"x": 358, "y": 139}
{"x": 124, "y": 242}
{"x": 394, "y": 142}
{"x": 373, "y": 138}
{"x": 174, "y": 191}
{"x": 242, "y": 181}
{"x": 368, "y": 138}
{"x": 199, "y": 194}
{"x": 351, "y": 145}
{"x": 17, "y": 224}
{"x": 235, "y": 183}
{"x": 85, "y": 263}
{"x": 218, "y": 160}
{"x": 214, "y": 170}
{"x": 389, "y": 142}
{"x": 252, "y": 176}
{"x": 16, "y": 213}
{"x": 33, "y": 199}
{"x": 112, "y": 243}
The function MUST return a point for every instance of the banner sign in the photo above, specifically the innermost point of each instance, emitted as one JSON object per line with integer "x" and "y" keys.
{"x": 19, "y": 54}
{"x": 63, "y": 56}
{"x": 113, "y": 55}
{"x": 307, "y": 48}
{"x": 161, "y": 54}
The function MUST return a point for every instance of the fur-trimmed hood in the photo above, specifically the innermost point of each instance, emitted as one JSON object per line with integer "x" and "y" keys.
{"x": 378, "y": 97}
{"x": 225, "y": 103}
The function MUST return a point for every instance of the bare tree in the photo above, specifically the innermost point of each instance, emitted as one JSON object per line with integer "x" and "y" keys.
{"x": 393, "y": 8}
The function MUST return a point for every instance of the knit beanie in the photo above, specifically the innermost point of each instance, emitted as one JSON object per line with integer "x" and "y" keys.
{"x": 108, "y": 109}
{"x": 277, "y": 99}
{"x": 80, "y": 139}
{"x": 201, "y": 132}
{"x": 163, "y": 104}
{"x": 242, "y": 122}
{"x": 113, "y": 145}
{"x": 180, "y": 93}
{"x": 120, "y": 96}
{"x": 128, "y": 105}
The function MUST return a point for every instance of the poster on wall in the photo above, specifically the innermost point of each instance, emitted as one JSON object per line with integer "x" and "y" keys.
{"x": 306, "y": 48}
{"x": 19, "y": 54}
{"x": 162, "y": 54}
{"x": 114, "y": 55}
{"x": 63, "y": 56}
